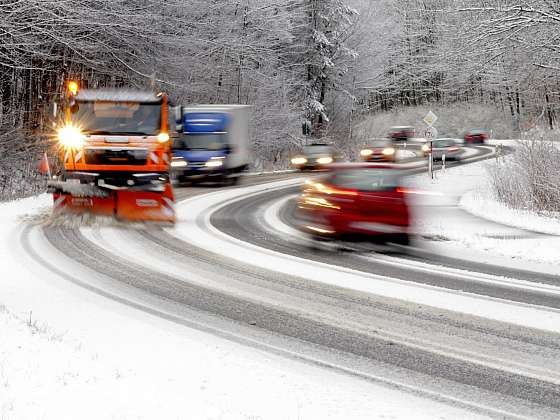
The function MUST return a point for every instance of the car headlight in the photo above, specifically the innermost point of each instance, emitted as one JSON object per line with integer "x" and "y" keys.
{"x": 425, "y": 148}
{"x": 71, "y": 136}
{"x": 214, "y": 162}
{"x": 299, "y": 160}
{"x": 325, "y": 160}
{"x": 388, "y": 151}
{"x": 179, "y": 163}
{"x": 366, "y": 152}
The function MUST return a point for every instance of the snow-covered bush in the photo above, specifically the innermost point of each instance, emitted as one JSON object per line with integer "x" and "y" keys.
{"x": 19, "y": 155}
{"x": 530, "y": 178}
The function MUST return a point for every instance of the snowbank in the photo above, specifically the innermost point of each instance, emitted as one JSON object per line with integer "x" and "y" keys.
{"x": 481, "y": 204}
{"x": 459, "y": 220}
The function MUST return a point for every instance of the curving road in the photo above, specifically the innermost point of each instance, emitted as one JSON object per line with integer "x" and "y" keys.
{"x": 481, "y": 337}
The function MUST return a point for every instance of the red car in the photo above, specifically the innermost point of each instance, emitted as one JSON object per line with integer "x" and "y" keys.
{"x": 358, "y": 200}
{"x": 476, "y": 136}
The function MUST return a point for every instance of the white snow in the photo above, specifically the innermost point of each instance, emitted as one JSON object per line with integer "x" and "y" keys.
{"x": 461, "y": 215}
{"x": 68, "y": 353}
{"x": 481, "y": 203}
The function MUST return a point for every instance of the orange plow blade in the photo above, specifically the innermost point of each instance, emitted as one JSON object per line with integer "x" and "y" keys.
{"x": 146, "y": 205}
{"x": 138, "y": 206}
{"x": 102, "y": 206}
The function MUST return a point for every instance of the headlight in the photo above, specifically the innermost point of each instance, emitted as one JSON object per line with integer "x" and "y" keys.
{"x": 299, "y": 161}
{"x": 366, "y": 152}
{"x": 179, "y": 163}
{"x": 324, "y": 160}
{"x": 425, "y": 148}
{"x": 71, "y": 137}
{"x": 214, "y": 162}
{"x": 163, "y": 137}
{"x": 388, "y": 151}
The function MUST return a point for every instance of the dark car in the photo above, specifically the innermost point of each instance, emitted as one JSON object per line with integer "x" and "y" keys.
{"x": 401, "y": 134}
{"x": 379, "y": 150}
{"x": 356, "y": 200}
{"x": 447, "y": 147}
{"x": 476, "y": 136}
{"x": 314, "y": 156}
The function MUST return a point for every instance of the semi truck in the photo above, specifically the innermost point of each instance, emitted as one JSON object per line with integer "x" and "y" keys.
{"x": 115, "y": 153}
{"x": 212, "y": 144}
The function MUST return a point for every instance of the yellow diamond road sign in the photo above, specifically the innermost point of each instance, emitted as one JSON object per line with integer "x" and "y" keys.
{"x": 430, "y": 118}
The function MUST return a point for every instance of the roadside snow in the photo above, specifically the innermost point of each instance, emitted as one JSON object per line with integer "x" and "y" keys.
{"x": 481, "y": 203}
{"x": 458, "y": 214}
{"x": 67, "y": 353}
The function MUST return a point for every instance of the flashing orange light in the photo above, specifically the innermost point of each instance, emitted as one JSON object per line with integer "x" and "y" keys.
{"x": 73, "y": 87}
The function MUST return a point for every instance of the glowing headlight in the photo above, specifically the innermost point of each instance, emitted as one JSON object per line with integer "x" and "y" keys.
{"x": 299, "y": 161}
{"x": 366, "y": 152}
{"x": 214, "y": 162}
{"x": 425, "y": 148}
{"x": 163, "y": 137}
{"x": 179, "y": 163}
{"x": 388, "y": 151}
{"x": 325, "y": 160}
{"x": 71, "y": 137}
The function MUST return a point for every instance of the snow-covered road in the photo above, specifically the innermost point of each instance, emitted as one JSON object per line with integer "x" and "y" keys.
{"x": 228, "y": 315}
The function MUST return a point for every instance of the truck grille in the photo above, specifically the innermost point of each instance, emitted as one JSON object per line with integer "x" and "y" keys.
{"x": 116, "y": 156}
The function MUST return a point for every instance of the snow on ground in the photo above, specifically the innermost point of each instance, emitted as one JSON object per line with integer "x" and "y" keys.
{"x": 67, "y": 353}
{"x": 481, "y": 203}
{"x": 445, "y": 217}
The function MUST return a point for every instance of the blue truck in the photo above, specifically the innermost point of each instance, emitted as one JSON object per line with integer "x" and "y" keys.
{"x": 212, "y": 144}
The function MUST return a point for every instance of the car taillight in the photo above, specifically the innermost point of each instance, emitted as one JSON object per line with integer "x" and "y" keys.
{"x": 404, "y": 190}
{"x": 334, "y": 191}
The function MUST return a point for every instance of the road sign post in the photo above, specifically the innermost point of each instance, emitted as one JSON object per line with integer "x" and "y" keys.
{"x": 430, "y": 134}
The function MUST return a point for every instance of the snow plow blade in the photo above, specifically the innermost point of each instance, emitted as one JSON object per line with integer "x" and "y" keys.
{"x": 126, "y": 205}
{"x": 146, "y": 205}
{"x": 67, "y": 203}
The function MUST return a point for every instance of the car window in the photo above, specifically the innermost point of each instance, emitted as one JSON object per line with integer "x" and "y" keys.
{"x": 443, "y": 143}
{"x": 315, "y": 150}
{"x": 366, "y": 179}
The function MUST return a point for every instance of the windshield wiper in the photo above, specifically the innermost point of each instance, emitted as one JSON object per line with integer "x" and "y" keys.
{"x": 96, "y": 132}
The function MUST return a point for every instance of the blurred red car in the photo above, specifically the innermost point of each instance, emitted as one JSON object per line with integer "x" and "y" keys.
{"x": 476, "y": 136}
{"x": 359, "y": 200}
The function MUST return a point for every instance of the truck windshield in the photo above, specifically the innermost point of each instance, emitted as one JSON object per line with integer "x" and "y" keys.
{"x": 202, "y": 141}
{"x": 118, "y": 118}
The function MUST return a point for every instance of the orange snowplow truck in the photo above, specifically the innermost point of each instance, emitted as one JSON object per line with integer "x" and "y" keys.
{"x": 114, "y": 150}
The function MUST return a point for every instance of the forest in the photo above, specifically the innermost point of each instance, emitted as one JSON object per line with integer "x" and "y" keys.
{"x": 334, "y": 63}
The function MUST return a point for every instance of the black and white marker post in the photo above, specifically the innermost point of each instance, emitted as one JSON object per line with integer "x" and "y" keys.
{"x": 430, "y": 134}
